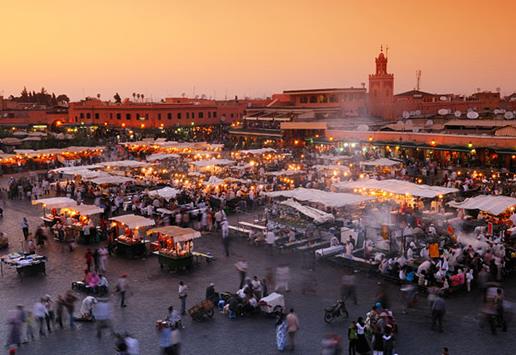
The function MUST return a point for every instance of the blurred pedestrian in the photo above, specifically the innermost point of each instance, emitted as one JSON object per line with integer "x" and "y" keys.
{"x": 25, "y": 228}
{"x": 282, "y": 278}
{"x": 362, "y": 344}
{"x": 225, "y": 236}
{"x": 241, "y": 267}
{"x": 352, "y": 338}
{"x": 102, "y": 314}
{"x": 281, "y": 332}
{"x": 438, "y": 311}
{"x": 122, "y": 286}
{"x": 69, "y": 302}
{"x": 292, "y": 328}
{"x": 183, "y": 294}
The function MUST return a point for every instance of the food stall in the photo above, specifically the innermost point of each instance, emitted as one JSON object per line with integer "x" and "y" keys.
{"x": 79, "y": 216}
{"x": 131, "y": 240}
{"x": 174, "y": 246}
{"x": 31, "y": 264}
{"x": 51, "y": 205}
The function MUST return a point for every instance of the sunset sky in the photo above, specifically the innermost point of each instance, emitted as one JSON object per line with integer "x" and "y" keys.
{"x": 167, "y": 47}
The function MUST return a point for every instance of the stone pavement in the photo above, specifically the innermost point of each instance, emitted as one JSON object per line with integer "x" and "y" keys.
{"x": 153, "y": 290}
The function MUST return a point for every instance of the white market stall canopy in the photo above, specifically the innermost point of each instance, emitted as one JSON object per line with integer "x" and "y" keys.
{"x": 285, "y": 172}
{"x": 380, "y": 162}
{"x": 55, "y": 202}
{"x": 258, "y": 151}
{"x": 84, "y": 210}
{"x": 494, "y": 205}
{"x": 156, "y": 157}
{"x": 167, "y": 193}
{"x": 133, "y": 221}
{"x": 111, "y": 180}
{"x": 326, "y": 198}
{"x": 179, "y": 234}
{"x": 72, "y": 170}
{"x": 334, "y": 157}
{"x": 49, "y": 151}
{"x": 124, "y": 164}
{"x": 335, "y": 167}
{"x": 316, "y": 215}
{"x": 213, "y": 162}
{"x": 398, "y": 187}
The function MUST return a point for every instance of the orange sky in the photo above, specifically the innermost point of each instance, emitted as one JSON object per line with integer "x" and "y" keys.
{"x": 166, "y": 47}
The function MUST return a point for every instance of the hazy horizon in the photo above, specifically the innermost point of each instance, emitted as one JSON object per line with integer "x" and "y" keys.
{"x": 166, "y": 48}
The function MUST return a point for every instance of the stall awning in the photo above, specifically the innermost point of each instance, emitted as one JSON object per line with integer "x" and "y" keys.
{"x": 316, "y": 215}
{"x": 124, "y": 164}
{"x": 380, "y": 162}
{"x": 179, "y": 234}
{"x": 213, "y": 162}
{"x": 84, "y": 210}
{"x": 285, "y": 172}
{"x": 133, "y": 221}
{"x": 167, "y": 193}
{"x": 325, "y": 198}
{"x": 111, "y": 180}
{"x": 398, "y": 187}
{"x": 336, "y": 167}
{"x": 55, "y": 202}
{"x": 258, "y": 151}
{"x": 494, "y": 205}
{"x": 157, "y": 157}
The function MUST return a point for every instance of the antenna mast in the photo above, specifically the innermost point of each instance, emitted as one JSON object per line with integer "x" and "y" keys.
{"x": 418, "y": 79}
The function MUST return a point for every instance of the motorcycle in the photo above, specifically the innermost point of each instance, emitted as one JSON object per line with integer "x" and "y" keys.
{"x": 337, "y": 310}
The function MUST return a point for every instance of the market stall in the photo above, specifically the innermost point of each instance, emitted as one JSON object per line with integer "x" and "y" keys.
{"x": 131, "y": 240}
{"x": 78, "y": 223}
{"x": 174, "y": 246}
{"x": 25, "y": 264}
{"x": 51, "y": 205}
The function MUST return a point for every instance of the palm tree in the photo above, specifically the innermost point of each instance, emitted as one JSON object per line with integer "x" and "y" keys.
{"x": 142, "y": 97}
{"x": 134, "y": 96}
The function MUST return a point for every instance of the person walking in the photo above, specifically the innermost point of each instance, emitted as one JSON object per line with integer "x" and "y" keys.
{"x": 438, "y": 311}
{"x": 281, "y": 332}
{"x": 225, "y": 236}
{"x": 183, "y": 293}
{"x": 362, "y": 344}
{"x": 292, "y": 328}
{"x": 352, "y": 338}
{"x": 40, "y": 313}
{"x": 165, "y": 338}
{"x": 102, "y": 313}
{"x": 69, "y": 303}
{"x": 88, "y": 256}
{"x": 25, "y": 228}
{"x": 122, "y": 286}
{"x": 241, "y": 266}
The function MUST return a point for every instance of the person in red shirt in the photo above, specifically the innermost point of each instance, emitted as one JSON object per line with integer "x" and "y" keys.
{"x": 89, "y": 259}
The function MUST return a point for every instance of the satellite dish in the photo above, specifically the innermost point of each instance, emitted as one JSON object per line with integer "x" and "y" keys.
{"x": 405, "y": 114}
{"x": 509, "y": 115}
{"x": 415, "y": 130}
{"x": 443, "y": 98}
{"x": 409, "y": 123}
{"x": 363, "y": 128}
{"x": 429, "y": 123}
{"x": 417, "y": 113}
{"x": 458, "y": 114}
{"x": 443, "y": 112}
{"x": 472, "y": 115}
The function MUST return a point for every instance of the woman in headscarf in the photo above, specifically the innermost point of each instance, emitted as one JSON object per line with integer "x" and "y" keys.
{"x": 281, "y": 332}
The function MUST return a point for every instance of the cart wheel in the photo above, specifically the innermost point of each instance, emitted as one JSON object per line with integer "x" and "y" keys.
{"x": 210, "y": 313}
{"x": 328, "y": 317}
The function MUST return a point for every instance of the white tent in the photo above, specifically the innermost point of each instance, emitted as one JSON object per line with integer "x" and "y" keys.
{"x": 213, "y": 162}
{"x": 399, "y": 187}
{"x": 55, "y": 202}
{"x": 342, "y": 168}
{"x": 85, "y": 210}
{"x": 156, "y": 157}
{"x": 326, "y": 198}
{"x": 111, "y": 180}
{"x": 133, "y": 221}
{"x": 179, "y": 234}
{"x": 318, "y": 216}
{"x": 285, "y": 172}
{"x": 258, "y": 151}
{"x": 494, "y": 205}
{"x": 380, "y": 162}
{"x": 334, "y": 157}
{"x": 124, "y": 164}
{"x": 167, "y": 193}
